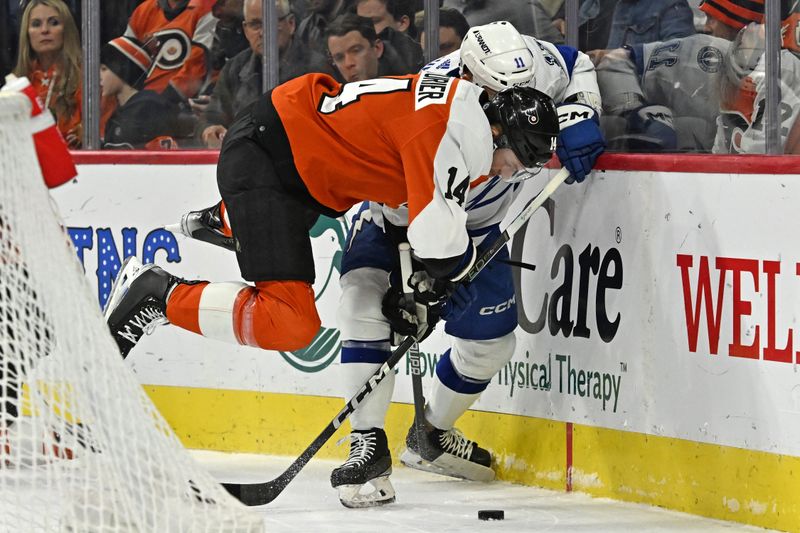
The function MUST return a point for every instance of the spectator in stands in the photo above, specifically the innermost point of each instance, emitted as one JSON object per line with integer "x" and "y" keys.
{"x": 395, "y": 14}
{"x": 229, "y": 38}
{"x": 178, "y": 34}
{"x": 240, "y": 81}
{"x": 528, "y": 16}
{"x": 9, "y": 21}
{"x": 49, "y": 55}
{"x": 114, "y": 18}
{"x": 645, "y": 21}
{"x": 358, "y": 53}
{"x": 320, "y": 13}
{"x": 394, "y": 24}
{"x": 453, "y": 26}
{"x": 725, "y": 18}
{"x": 142, "y": 119}
{"x": 743, "y": 124}
{"x": 594, "y": 22}
{"x": 665, "y": 95}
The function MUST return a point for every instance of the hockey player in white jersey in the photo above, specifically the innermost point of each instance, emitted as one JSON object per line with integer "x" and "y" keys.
{"x": 496, "y": 57}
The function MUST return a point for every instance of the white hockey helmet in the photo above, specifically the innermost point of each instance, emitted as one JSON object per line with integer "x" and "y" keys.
{"x": 497, "y": 56}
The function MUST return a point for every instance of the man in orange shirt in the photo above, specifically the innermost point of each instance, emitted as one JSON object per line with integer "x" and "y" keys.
{"x": 313, "y": 146}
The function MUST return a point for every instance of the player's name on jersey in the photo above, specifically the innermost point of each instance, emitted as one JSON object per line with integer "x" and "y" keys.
{"x": 433, "y": 87}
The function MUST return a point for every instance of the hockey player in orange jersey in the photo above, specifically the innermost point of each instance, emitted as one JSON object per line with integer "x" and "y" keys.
{"x": 313, "y": 146}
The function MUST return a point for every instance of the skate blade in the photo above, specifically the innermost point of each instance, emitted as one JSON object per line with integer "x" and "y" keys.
{"x": 448, "y": 465}
{"x": 131, "y": 269}
{"x": 374, "y": 493}
{"x": 195, "y": 229}
{"x": 177, "y": 229}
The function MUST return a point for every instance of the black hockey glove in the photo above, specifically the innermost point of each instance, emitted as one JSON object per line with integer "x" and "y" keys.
{"x": 404, "y": 318}
{"x": 450, "y": 299}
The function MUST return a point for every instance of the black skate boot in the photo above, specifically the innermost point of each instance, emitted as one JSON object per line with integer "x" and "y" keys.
{"x": 205, "y": 225}
{"x": 137, "y": 303}
{"x": 448, "y": 453}
{"x": 368, "y": 467}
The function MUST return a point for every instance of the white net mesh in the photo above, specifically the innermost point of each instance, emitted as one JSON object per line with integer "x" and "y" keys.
{"x": 82, "y": 448}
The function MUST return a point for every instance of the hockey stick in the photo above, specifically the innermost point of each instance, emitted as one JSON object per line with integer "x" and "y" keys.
{"x": 406, "y": 269}
{"x": 265, "y": 492}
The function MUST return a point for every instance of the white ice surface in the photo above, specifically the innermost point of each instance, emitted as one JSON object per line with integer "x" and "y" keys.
{"x": 431, "y": 503}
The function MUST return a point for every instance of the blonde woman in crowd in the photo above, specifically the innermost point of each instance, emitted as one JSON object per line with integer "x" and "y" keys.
{"x": 50, "y": 57}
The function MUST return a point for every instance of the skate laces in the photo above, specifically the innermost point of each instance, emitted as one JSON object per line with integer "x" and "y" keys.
{"x": 155, "y": 318}
{"x": 454, "y": 442}
{"x": 362, "y": 447}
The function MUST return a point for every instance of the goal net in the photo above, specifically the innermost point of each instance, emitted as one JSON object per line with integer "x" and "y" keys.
{"x": 82, "y": 448}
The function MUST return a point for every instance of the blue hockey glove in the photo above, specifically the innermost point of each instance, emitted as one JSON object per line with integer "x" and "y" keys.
{"x": 580, "y": 141}
{"x": 648, "y": 129}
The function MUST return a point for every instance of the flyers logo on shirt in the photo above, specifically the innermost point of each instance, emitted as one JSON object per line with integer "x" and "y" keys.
{"x": 173, "y": 48}
{"x": 431, "y": 89}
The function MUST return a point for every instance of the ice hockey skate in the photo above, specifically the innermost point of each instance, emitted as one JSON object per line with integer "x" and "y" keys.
{"x": 206, "y": 225}
{"x": 448, "y": 453}
{"x": 363, "y": 480}
{"x": 137, "y": 303}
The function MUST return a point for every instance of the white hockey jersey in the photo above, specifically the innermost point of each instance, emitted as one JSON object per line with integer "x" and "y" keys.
{"x": 560, "y": 72}
{"x": 681, "y": 74}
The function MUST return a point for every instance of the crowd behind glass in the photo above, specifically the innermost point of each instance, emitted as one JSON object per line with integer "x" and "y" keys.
{"x": 675, "y": 75}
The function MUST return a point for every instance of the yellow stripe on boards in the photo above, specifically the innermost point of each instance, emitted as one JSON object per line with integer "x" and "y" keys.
{"x": 751, "y": 487}
{"x": 721, "y": 482}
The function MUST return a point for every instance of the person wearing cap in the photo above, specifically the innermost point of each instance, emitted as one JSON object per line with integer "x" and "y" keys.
{"x": 143, "y": 118}
{"x": 725, "y": 18}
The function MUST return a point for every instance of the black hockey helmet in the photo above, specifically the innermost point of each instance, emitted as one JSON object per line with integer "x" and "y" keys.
{"x": 529, "y": 121}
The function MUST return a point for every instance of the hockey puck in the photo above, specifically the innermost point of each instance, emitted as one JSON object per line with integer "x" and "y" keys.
{"x": 491, "y": 514}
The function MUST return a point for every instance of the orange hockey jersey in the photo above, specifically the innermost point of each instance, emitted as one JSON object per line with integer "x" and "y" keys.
{"x": 419, "y": 139}
{"x": 179, "y": 44}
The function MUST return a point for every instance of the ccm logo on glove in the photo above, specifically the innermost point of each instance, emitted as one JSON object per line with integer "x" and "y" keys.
{"x": 580, "y": 141}
{"x": 571, "y": 114}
